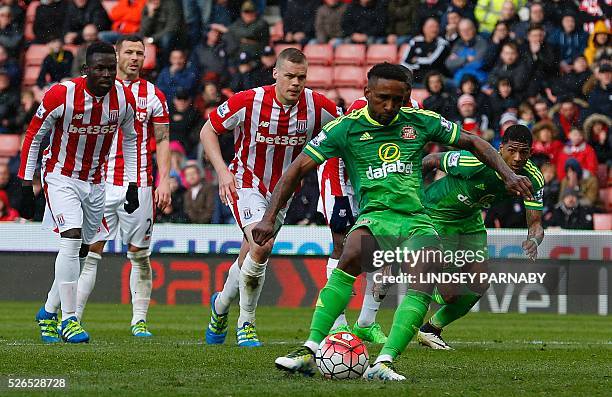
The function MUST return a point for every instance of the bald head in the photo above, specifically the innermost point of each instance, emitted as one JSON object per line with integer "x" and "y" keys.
{"x": 467, "y": 30}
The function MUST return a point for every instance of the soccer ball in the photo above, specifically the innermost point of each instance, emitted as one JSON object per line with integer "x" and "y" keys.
{"x": 342, "y": 356}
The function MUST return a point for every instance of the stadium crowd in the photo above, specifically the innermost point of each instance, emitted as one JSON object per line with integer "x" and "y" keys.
{"x": 486, "y": 64}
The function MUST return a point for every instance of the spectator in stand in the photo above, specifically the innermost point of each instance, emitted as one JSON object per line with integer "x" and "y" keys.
{"x": 126, "y": 17}
{"x": 508, "y": 214}
{"x": 550, "y": 191}
{"x": 7, "y": 213}
{"x": 569, "y": 214}
{"x": 500, "y": 36}
{"x": 177, "y": 75}
{"x": 426, "y": 52}
{"x": 584, "y": 184}
{"x": 244, "y": 78}
{"x": 597, "y": 128}
{"x": 430, "y": 9}
{"x": 571, "y": 83}
{"x": 541, "y": 110}
{"x": 451, "y": 29}
{"x": 488, "y": 12}
{"x": 199, "y": 198}
{"x": 600, "y": 98}
{"x": 212, "y": 55}
{"x": 299, "y": 21}
{"x": 570, "y": 41}
{"x": 526, "y": 115}
{"x": 11, "y": 185}
{"x": 197, "y": 16}
{"x": 9, "y": 102}
{"x": 438, "y": 100}
{"x": 462, "y": 7}
{"x": 250, "y": 30}
{"x": 17, "y": 12}
{"x": 48, "y": 20}
{"x": 509, "y": 15}
{"x": 26, "y": 111}
{"x": 567, "y": 117}
{"x": 546, "y": 142}
{"x": 11, "y": 34}
{"x": 263, "y": 73}
{"x": 79, "y": 14}
{"x": 328, "y": 21}
{"x": 89, "y": 35}
{"x": 554, "y": 10}
{"x": 208, "y": 100}
{"x": 536, "y": 17}
{"x": 541, "y": 59}
{"x": 599, "y": 45}
{"x": 365, "y": 21}
{"x": 467, "y": 54}
{"x": 402, "y": 20}
{"x": 160, "y": 25}
{"x": 471, "y": 120}
{"x": 592, "y": 11}
{"x": 10, "y": 66}
{"x": 178, "y": 157}
{"x": 469, "y": 85}
{"x": 185, "y": 122}
{"x": 56, "y": 66}
{"x": 510, "y": 66}
{"x": 502, "y": 100}
{"x": 577, "y": 147}
{"x": 174, "y": 212}
{"x": 506, "y": 120}
{"x": 220, "y": 14}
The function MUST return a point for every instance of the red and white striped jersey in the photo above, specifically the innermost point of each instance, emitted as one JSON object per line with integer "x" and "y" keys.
{"x": 267, "y": 135}
{"x": 331, "y": 173}
{"x": 151, "y": 108}
{"x": 82, "y": 128}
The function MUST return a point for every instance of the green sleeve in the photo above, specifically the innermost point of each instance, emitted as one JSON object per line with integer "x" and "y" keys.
{"x": 461, "y": 163}
{"x": 327, "y": 143}
{"x": 537, "y": 181}
{"x": 440, "y": 129}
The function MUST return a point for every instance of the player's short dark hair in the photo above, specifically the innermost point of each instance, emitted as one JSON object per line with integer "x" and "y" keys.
{"x": 518, "y": 133}
{"x": 292, "y": 55}
{"x": 389, "y": 71}
{"x": 98, "y": 47}
{"x": 408, "y": 73}
{"x": 132, "y": 38}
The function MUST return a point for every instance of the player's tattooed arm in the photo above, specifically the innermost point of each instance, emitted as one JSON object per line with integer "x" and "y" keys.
{"x": 163, "y": 196}
{"x": 285, "y": 187}
{"x": 162, "y": 132}
{"x": 432, "y": 162}
{"x": 535, "y": 233}
{"x": 518, "y": 184}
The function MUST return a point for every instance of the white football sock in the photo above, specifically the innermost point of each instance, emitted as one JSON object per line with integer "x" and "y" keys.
{"x": 383, "y": 358}
{"x": 230, "y": 289}
{"x": 67, "y": 268}
{"x": 251, "y": 280}
{"x": 87, "y": 281}
{"x": 370, "y": 305}
{"x": 141, "y": 283}
{"x": 53, "y": 299}
{"x": 312, "y": 345}
{"x": 331, "y": 265}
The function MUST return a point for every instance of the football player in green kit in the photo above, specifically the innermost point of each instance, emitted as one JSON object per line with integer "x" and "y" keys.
{"x": 454, "y": 204}
{"x": 381, "y": 146}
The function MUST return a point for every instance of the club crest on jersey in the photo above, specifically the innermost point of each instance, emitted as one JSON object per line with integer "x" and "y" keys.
{"x": 247, "y": 213}
{"x": 408, "y": 132}
{"x": 301, "y": 126}
{"x": 59, "y": 219}
{"x": 142, "y": 103}
{"x": 113, "y": 116}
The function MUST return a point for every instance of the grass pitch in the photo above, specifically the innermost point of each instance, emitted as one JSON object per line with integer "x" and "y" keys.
{"x": 497, "y": 355}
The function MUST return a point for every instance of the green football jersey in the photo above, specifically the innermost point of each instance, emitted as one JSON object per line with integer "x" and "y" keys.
{"x": 470, "y": 186}
{"x": 383, "y": 161}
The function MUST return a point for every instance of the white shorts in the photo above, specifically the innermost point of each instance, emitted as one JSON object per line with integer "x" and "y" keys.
{"x": 251, "y": 206}
{"x": 134, "y": 228}
{"x": 73, "y": 204}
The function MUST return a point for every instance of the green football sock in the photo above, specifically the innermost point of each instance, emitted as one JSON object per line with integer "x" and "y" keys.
{"x": 332, "y": 301}
{"x": 450, "y": 312}
{"x": 406, "y": 322}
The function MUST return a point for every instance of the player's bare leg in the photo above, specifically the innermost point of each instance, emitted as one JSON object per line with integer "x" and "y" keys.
{"x": 341, "y": 323}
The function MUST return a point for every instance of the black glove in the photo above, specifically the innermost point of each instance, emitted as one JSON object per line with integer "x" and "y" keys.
{"x": 27, "y": 202}
{"x": 131, "y": 199}
{"x": 342, "y": 215}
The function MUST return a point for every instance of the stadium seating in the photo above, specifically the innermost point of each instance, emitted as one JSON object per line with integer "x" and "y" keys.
{"x": 150, "y": 57}
{"x": 277, "y": 31}
{"x": 279, "y": 47}
{"x": 349, "y": 94}
{"x": 605, "y": 195}
{"x": 35, "y": 54}
{"x": 378, "y": 53}
{"x": 29, "y": 21}
{"x": 350, "y": 76}
{"x": 9, "y": 144}
{"x": 319, "y": 76}
{"x": 602, "y": 175}
{"x": 602, "y": 221}
{"x": 319, "y": 54}
{"x": 30, "y": 75}
{"x": 419, "y": 95}
{"x": 402, "y": 51}
{"x": 350, "y": 54}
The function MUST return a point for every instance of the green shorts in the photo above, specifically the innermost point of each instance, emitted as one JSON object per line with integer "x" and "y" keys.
{"x": 392, "y": 229}
{"x": 463, "y": 234}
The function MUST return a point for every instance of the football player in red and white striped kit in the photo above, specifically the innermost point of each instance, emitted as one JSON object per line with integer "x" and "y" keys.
{"x": 83, "y": 116}
{"x": 338, "y": 206}
{"x": 151, "y": 124}
{"x": 271, "y": 125}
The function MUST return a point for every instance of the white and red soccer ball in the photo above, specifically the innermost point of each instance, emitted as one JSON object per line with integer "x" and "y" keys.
{"x": 342, "y": 356}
